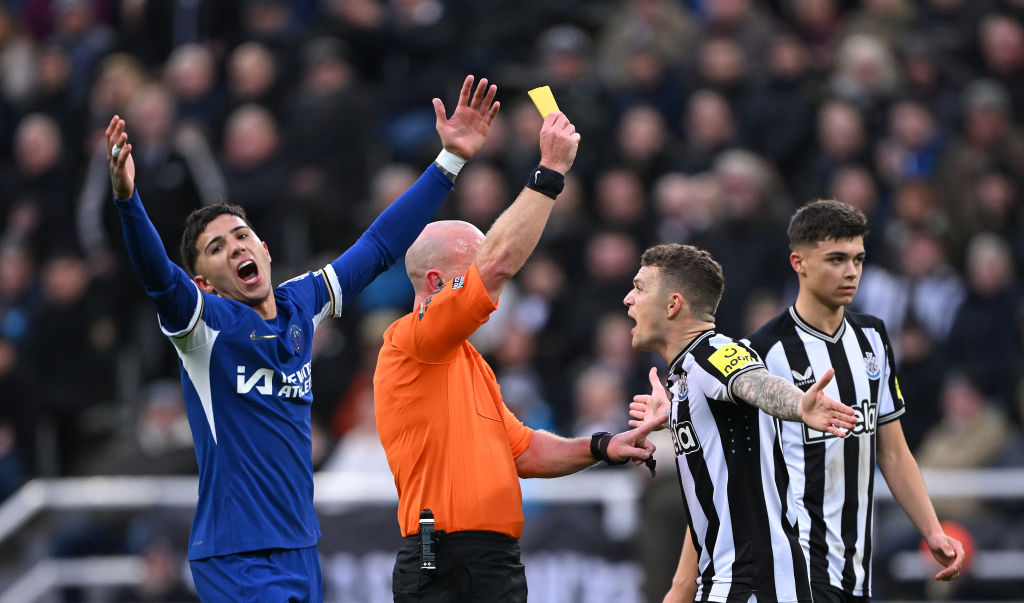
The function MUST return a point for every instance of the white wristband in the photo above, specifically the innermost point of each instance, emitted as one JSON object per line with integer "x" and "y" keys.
{"x": 451, "y": 162}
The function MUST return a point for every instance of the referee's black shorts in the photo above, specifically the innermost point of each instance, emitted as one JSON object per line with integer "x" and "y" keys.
{"x": 477, "y": 567}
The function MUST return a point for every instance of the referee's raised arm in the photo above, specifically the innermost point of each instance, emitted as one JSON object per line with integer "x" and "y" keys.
{"x": 516, "y": 231}
{"x": 452, "y": 443}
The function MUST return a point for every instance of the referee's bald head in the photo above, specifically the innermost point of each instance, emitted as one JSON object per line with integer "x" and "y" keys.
{"x": 447, "y": 246}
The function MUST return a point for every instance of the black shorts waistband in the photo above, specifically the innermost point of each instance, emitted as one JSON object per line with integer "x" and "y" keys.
{"x": 469, "y": 537}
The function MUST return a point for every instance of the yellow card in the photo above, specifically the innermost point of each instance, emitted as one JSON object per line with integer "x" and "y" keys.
{"x": 544, "y": 100}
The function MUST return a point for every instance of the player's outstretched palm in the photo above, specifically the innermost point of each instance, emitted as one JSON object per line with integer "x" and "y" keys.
{"x": 649, "y": 407}
{"x": 122, "y": 167}
{"x": 824, "y": 413}
{"x": 465, "y": 132}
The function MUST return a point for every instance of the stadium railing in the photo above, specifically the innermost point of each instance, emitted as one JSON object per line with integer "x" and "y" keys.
{"x": 617, "y": 495}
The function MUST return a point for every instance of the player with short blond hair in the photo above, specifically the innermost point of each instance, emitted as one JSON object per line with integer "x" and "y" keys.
{"x": 742, "y": 544}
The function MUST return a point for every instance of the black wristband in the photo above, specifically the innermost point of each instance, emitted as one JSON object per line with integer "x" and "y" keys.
{"x": 599, "y": 448}
{"x": 546, "y": 181}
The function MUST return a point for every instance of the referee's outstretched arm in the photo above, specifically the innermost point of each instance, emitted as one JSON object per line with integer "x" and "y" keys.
{"x": 550, "y": 455}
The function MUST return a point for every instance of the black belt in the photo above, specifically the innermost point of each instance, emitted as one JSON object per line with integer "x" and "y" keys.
{"x": 468, "y": 537}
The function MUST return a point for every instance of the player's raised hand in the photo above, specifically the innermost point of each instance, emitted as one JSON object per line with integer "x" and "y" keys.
{"x": 465, "y": 132}
{"x": 633, "y": 444}
{"x": 647, "y": 407}
{"x": 119, "y": 157}
{"x": 824, "y": 413}
{"x": 559, "y": 141}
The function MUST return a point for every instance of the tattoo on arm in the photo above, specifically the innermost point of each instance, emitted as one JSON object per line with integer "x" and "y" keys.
{"x": 770, "y": 393}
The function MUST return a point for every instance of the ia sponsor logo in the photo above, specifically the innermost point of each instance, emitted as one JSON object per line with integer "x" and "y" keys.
{"x": 294, "y": 385}
{"x": 262, "y": 380}
{"x": 684, "y": 438}
{"x": 867, "y": 420}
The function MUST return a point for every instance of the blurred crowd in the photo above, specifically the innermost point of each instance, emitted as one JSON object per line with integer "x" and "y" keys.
{"x": 703, "y": 121}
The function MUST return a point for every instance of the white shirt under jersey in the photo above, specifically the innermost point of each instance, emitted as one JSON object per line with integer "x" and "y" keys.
{"x": 833, "y": 479}
{"x": 733, "y": 478}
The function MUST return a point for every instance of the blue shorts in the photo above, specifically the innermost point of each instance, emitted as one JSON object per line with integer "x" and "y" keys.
{"x": 267, "y": 576}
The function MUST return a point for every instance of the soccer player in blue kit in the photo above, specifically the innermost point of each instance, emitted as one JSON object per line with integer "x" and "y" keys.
{"x": 245, "y": 351}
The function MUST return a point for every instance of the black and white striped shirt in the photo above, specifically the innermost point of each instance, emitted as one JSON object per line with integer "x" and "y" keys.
{"x": 833, "y": 479}
{"x": 734, "y": 479}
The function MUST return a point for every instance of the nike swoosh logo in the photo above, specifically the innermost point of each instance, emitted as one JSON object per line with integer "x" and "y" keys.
{"x": 253, "y": 336}
{"x": 536, "y": 176}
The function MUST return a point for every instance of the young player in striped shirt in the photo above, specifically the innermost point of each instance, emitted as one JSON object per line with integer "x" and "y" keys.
{"x": 832, "y": 478}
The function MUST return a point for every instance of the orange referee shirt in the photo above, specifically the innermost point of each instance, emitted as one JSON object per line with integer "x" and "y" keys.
{"x": 450, "y": 440}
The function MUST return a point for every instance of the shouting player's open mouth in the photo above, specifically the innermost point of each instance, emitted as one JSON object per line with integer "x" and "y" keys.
{"x": 248, "y": 272}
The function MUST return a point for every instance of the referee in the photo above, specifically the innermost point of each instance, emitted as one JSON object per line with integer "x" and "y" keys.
{"x": 832, "y": 478}
{"x": 455, "y": 449}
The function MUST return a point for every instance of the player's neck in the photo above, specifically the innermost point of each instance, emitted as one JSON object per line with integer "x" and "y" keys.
{"x": 684, "y": 337}
{"x": 823, "y": 317}
{"x": 267, "y": 308}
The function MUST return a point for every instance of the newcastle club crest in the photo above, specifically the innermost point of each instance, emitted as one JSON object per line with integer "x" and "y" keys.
{"x": 871, "y": 366}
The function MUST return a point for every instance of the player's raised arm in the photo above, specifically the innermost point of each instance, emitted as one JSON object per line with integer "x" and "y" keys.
{"x": 163, "y": 280}
{"x": 464, "y": 133}
{"x": 119, "y": 156}
{"x": 391, "y": 234}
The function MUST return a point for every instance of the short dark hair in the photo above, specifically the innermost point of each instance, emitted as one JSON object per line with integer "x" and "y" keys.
{"x": 826, "y": 220}
{"x": 196, "y": 223}
{"x": 690, "y": 271}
